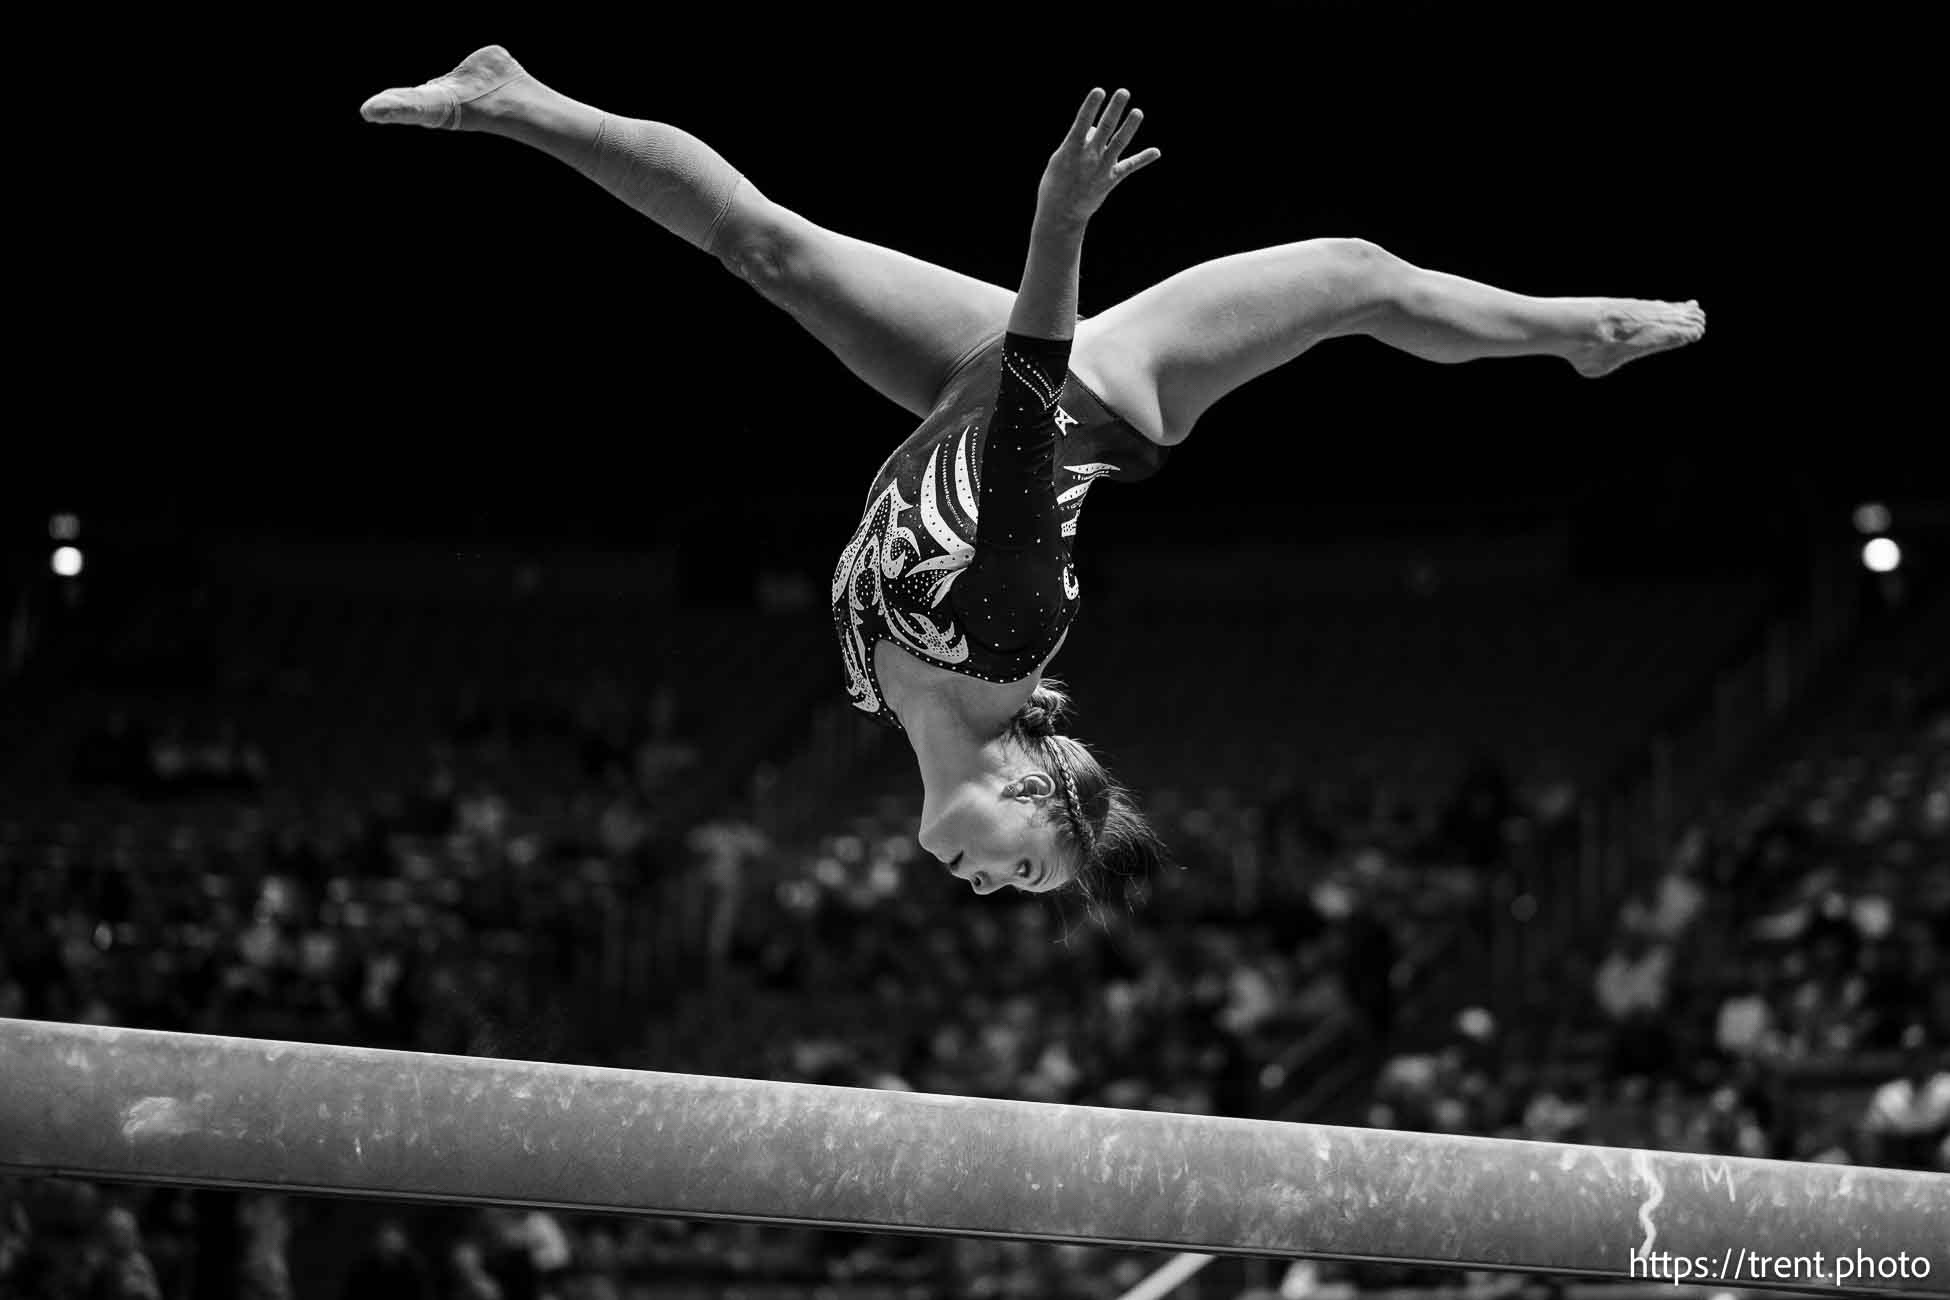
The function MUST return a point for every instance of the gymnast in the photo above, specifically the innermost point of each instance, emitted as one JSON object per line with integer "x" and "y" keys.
{"x": 956, "y": 590}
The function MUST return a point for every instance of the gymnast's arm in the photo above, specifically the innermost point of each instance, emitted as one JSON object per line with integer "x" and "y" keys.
{"x": 1014, "y": 585}
{"x": 1079, "y": 176}
{"x": 1013, "y": 588}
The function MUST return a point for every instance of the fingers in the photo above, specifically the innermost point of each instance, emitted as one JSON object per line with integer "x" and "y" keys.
{"x": 1113, "y": 114}
{"x": 1129, "y": 165}
{"x": 1086, "y": 115}
{"x": 1102, "y": 130}
{"x": 1125, "y": 131}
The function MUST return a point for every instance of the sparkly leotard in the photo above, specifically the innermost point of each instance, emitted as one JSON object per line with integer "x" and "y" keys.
{"x": 962, "y": 556}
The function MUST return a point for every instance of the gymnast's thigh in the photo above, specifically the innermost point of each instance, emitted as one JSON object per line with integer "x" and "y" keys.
{"x": 901, "y": 324}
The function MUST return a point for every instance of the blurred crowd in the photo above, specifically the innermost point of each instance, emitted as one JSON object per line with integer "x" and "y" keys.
{"x": 1788, "y": 946}
{"x": 1781, "y": 990}
{"x": 185, "y": 888}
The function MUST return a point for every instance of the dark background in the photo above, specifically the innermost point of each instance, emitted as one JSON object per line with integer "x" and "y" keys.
{"x": 256, "y": 310}
{"x": 243, "y": 315}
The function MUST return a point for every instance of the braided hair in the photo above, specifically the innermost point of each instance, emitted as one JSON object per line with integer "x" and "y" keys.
{"x": 1098, "y": 821}
{"x": 1080, "y": 826}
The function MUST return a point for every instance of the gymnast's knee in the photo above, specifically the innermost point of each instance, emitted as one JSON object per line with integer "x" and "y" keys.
{"x": 761, "y": 242}
{"x": 1354, "y": 249}
{"x": 1369, "y": 281}
{"x": 1358, "y": 256}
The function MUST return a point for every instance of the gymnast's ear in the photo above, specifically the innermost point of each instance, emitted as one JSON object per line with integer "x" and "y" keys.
{"x": 1031, "y": 785}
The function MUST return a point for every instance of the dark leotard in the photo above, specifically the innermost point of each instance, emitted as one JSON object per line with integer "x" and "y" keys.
{"x": 962, "y": 556}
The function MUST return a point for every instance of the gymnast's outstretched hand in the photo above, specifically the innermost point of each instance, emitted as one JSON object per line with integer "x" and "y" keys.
{"x": 1089, "y": 164}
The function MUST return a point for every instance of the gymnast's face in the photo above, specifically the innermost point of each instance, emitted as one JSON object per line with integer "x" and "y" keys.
{"x": 996, "y": 838}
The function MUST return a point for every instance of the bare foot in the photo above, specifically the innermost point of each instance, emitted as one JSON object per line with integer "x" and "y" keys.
{"x": 1629, "y": 328}
{"x": 444, "y": 102}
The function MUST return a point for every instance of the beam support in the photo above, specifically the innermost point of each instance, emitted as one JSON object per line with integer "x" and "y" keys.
{"x": 138, "y": 1105}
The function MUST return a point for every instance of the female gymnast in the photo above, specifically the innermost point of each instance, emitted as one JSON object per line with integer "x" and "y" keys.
{"x": 956, "y": 589}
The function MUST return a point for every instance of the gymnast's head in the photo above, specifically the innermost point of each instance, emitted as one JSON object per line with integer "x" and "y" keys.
{"x": 1042, "y": 814}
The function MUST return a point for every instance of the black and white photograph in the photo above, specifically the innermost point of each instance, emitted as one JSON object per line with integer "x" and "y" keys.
{"x": 1232, "y": 652}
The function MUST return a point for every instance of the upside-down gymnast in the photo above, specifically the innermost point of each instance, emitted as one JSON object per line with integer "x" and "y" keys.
{"x": 956, "y": 590}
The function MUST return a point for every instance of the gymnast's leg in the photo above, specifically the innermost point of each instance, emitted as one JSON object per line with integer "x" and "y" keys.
{"x": 899, "y": 323}
{"x": 1167, "y": 354}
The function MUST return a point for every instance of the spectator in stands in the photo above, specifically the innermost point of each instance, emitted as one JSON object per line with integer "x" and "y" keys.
{"x": 265, "y": 1273}
{"x": 662, "y": 753}
{"x": 55, "y": 1246}
{"x": 231, "y": 762}
{"x": 1550, "y": 794}
{"x": 1727, "y": 1126}
{"x": 1908, "y": 1118}
{"x": 1679, "y": 896}
{"x": 1631, "y": 981}
{"x": 1631, "y": 989}
{"x": 183, "y": 764}
{"x": 1745, "y": 1026}
{"x": 482, "y": 816}
{"x": 1409, "y": 1089}
{"x": 598, "y": 1264}
{"x": 122, "y": 1270}
{"x": 1553, "y": 1115}
{"x": 624, "y": 825}
{"x": 724, "y": 850}
{"x": 548, "y": 1246}
{"x": 1827, "y": 1136}
{"x": 471, "y": 1279}
{"x": 390, "y": 1269}
{"x": 14, "y": 1234}
{"x": 523, "y": 1253}
{"x": 1821, "y": 1014}
{"x": 1895, "y": 991}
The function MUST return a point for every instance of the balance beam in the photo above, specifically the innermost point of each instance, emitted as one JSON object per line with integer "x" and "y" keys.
{"x": 142, "y": 1106}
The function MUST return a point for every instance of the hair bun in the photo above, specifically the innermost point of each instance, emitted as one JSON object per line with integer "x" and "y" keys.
{"x": 1047, "y": 708}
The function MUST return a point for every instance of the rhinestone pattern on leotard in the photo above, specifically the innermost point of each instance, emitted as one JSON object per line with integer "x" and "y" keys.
{"x": 962, "y": 556}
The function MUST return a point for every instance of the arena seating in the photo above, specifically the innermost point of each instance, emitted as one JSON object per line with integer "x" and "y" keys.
{"x": 352, "y": 892}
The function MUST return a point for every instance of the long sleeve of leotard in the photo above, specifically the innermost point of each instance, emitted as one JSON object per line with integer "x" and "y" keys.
{"x": 1014, "y": 585}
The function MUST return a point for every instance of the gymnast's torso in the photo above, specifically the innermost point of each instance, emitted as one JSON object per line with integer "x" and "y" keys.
{"x": 962, "y": 556}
